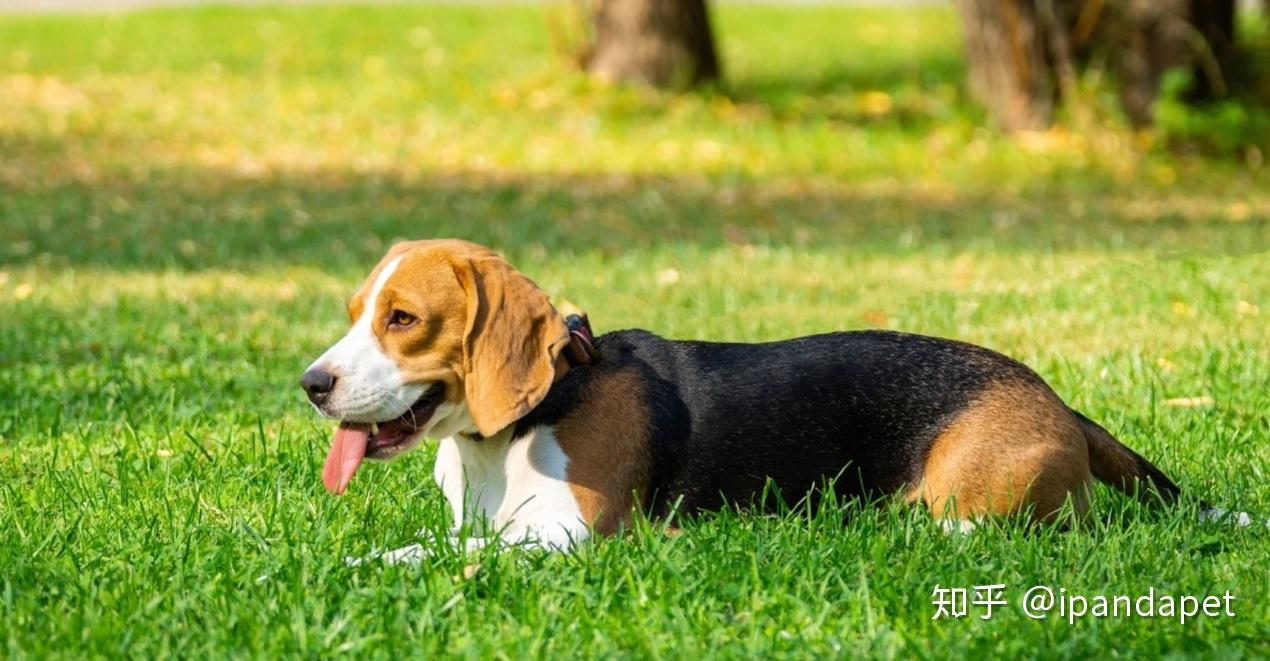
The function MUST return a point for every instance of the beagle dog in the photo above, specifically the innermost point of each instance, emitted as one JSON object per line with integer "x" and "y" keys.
{"x": 552, "y": 437}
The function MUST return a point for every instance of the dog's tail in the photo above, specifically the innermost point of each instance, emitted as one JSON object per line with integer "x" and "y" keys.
{"x": 1117, "y": 466}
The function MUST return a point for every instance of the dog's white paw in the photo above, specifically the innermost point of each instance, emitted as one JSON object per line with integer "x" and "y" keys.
{"x": 415, "y": 553}
{"x": 958, "y": 526}
{"x": 1221, "y": 515}
{"x": 406, "y": 555}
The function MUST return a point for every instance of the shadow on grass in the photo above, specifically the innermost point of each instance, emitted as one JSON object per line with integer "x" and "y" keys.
{"x": 195, "y": 220}
{"x": 914, "y": 94}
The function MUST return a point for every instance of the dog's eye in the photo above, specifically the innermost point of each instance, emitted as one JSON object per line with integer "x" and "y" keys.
{"x": 401, "y": 319}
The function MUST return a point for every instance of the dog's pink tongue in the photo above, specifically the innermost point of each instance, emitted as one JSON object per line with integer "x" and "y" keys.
{"x": 348, "y": 448}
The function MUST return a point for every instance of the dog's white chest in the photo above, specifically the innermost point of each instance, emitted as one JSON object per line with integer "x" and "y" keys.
{"x": 519, "y": 487}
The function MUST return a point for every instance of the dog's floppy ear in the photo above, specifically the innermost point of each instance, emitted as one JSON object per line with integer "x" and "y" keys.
{"x": 511, "y": 342}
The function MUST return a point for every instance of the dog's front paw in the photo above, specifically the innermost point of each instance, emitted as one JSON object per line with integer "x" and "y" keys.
{"x": 1237, "y": 519}
{"x": 406, "y": 555}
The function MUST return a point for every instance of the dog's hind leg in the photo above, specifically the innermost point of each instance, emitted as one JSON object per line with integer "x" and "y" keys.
{"x": 1015, "y": 449}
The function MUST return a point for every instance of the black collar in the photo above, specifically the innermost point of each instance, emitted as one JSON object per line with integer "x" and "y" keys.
{"x": 581, "y": 347}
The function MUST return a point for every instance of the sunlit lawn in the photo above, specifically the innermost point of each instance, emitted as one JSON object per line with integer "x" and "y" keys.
{"x": 187, "y": 197}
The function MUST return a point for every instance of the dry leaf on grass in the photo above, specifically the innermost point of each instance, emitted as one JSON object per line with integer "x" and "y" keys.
{"x": 1190, "y": 402}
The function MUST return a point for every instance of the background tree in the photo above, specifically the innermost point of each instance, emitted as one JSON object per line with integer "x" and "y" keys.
{"x": 1006, "y": 60}
{"x": 1023, "y": 55}
{"x": 664, "y": 43}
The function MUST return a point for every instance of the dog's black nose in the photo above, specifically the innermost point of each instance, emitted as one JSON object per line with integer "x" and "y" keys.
{"x": 318, "y": 383}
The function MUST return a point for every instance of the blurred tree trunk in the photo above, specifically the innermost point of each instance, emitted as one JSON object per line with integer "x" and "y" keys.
{"x": 1005, "y": 55}
{"x": 663, "y": 43}
{"x": 1215, "y": 21}
{"x": 1154, "y": 36}
{"x": 1021, "y": 53}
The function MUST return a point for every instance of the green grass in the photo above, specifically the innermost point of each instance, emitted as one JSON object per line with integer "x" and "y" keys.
{"x": 187, "y": 197}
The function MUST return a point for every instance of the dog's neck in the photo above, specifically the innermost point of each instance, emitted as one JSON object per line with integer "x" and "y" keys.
{"x": 579, "y": 352}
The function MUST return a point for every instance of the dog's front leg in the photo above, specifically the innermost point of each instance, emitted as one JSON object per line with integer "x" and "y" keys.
{"x": 559, "y": 535}
{"x": 448, "y": 473}
{"x": 539, "y": 508}
{"x": 415, "y": 553}
{"x": 560, "y": 539}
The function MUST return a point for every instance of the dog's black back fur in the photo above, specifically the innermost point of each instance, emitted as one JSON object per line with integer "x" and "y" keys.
{"x": 859, "y": 408}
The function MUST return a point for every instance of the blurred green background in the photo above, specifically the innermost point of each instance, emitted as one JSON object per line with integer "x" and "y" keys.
{"x": 188, "y": 195}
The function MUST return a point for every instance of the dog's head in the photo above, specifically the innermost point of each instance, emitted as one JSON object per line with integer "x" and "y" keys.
{"x": 446, "y": 337}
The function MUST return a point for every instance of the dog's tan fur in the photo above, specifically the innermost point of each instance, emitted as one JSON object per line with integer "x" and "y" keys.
{"x": 1016, "y": 448}
{"x": 608, "y": 452}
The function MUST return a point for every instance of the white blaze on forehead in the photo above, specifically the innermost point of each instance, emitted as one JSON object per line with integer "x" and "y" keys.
{"x": 372, "y": 299}
{"x": 369, "y": 384}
